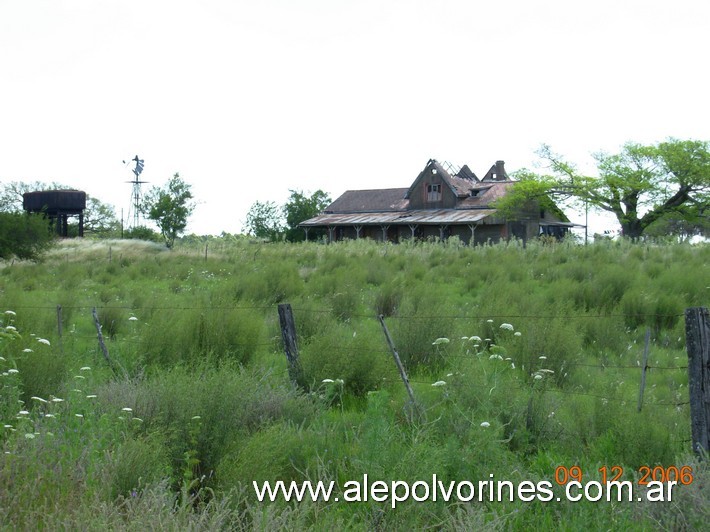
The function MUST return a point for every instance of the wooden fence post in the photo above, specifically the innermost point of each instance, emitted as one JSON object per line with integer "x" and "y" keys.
{"x": 697, "y": 338}
{"x": 400, "y": 367}
{"x": 644, "y": 368}
{"x": 288, "y": 334}
{"x": 100, "y": 336}
{"x": 59, "y": 328}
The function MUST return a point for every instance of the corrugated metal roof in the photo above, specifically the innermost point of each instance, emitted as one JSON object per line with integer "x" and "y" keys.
{"x": 419, "y": 217}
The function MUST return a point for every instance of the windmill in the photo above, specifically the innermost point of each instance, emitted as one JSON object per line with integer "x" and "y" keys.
{"x": 136, "y": 192}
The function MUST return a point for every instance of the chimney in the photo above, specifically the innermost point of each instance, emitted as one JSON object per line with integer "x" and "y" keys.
{"x": 500, "y": 171}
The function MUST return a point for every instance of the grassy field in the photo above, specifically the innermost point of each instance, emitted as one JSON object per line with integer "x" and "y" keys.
{"x": 524, "y": 362}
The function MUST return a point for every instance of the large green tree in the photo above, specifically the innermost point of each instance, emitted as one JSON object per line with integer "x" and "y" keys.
{"x": 170, "y": 207}
{"x": 640, "y": 185}
{"x": 301, "y": 207}
{"x": 264, "y": 220}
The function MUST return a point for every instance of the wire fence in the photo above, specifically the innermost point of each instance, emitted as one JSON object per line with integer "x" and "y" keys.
{"x": 350, "y": 350}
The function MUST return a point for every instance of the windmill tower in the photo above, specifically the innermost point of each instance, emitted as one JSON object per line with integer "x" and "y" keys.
{"x": 136, "y": 192}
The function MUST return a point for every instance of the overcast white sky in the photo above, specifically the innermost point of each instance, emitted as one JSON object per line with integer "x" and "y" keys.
{"x": 247, "y": 99}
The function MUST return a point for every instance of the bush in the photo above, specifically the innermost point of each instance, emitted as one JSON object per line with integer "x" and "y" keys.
{"x": 193, "y": 335}
{"x": 133, "y": 465}
{"x": 283, "y": 451}
{"x": 24, "y": 236}
{"x": 203, "y": 410}
{"x": 355, "y": 353}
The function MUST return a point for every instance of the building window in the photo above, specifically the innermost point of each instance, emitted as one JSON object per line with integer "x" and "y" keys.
{"x": 433, "y": 193}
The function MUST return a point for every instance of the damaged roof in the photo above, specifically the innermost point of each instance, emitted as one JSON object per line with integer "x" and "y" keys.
{"x": 392, "y": 205}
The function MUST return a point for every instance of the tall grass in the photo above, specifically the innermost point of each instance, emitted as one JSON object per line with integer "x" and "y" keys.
{"x": 534, "y": 352}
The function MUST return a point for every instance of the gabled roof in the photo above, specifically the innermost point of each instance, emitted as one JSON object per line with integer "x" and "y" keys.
{"x": 459, "y": 184}
{"x": 391, "y": 205}
{"x": 471, "y": 192}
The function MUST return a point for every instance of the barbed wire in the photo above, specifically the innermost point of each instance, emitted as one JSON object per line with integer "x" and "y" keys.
{"x": 352, "y": 315}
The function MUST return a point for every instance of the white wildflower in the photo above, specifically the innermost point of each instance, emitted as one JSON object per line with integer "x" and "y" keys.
{"x": 49, "y": 415}
{"x": 79, "y": 415}
{"x": 43, "y": 341}
{"x": 35, "y": 398}
{"x": 517, "y": 333}
{"x": 327, "y": 381}
{"x": 439, "y": 341}
{"x": 464, "y": 338}
{"x": 10, "y": 328}
{"x": 489, "y": 321}
{"x": 495, "y": 357}
{"x": 132, "y": 318}
{"x": 27, "y": 350}
{"x": 542, "y": 357}
{"x": 23, "y": 413}
{"x": 91, "y": 396}
{"x": 506, "y": 326}
{"x": 485, "y": 424}
{"x": 57, "y": 400}
{"x": 475, "y": 339}
{"x": 85, "y": 368}
{"x": 12, "y": 371}
{"x": 30, "y": 436}
{"x": 538, "y": 376}
{"x": 439, "y": 383}
{"x": 10, "y": 313}
{"x": 127, "y": 409}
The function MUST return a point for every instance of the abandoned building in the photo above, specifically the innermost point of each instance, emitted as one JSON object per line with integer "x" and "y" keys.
{"x": 443, "y": 201}
{"x": 58, "y": 206}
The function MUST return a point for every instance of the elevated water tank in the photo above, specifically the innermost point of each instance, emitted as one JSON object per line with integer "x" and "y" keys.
{"x": 57, "y": 205}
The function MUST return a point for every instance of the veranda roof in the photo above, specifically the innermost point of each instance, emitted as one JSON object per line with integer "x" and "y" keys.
{"x": 416, "y": 217}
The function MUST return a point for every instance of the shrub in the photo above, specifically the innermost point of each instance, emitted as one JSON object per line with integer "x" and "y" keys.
{"x": 283, "y": 451}
{"x": 204, "y": 409}
{"x": 192, "y": 335}
{"x": 23, "y": 236}
{"x": 133, "y": 465}
{"x": 355, "y": 353}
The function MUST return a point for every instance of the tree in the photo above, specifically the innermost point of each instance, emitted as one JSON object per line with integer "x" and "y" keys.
{"x": 299, "y": 208}
{"x": 100, "y": 219}
{"x": 688, "y": 221}
{"x": 264, "y": 221}
{"x": 24, "y": 236}
{"x": 640, "y": 185}
{"x": 169, "y": 207}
